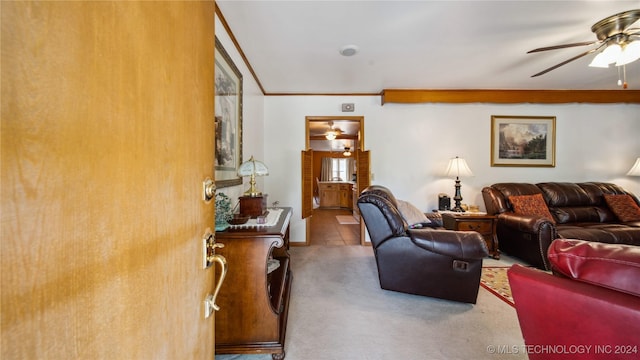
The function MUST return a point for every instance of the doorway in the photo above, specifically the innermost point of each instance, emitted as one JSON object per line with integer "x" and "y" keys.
{"x": 335, "y": 169}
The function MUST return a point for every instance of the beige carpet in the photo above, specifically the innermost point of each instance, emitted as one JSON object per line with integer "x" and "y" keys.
{"x": 338, "y": 311}
{"x": 346, "y": 219}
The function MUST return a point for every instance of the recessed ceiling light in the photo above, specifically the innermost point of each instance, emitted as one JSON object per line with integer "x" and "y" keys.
{"x": 348, "y": 50}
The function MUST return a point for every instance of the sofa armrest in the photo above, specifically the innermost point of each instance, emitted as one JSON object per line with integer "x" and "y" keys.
{"x": 555, "y": 311}
{"x": 457, "y": 244}
{"x": 526, "y": 223}
{"x": 613, "y": 266}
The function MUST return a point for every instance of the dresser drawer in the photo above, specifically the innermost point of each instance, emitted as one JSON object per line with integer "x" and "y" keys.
{"x": 483, "y": 227}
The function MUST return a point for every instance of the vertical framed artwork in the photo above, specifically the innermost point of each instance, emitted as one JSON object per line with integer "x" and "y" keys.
{"x": 228, "y": 119}
{"x": 523, "y": 141}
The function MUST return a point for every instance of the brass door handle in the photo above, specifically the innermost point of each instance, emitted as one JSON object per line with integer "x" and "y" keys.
{"x": 223, "y": 264}
{"x": 209, "y": 257}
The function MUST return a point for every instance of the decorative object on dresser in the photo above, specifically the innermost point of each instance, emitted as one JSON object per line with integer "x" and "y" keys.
{"x": 254, "y": 302}
{"x": 223, "y": 211}
{"x": 253, "y": 206}
{"x": 253, "y": 203}
{"x": 458, "y": 167}
{"x": 253, "y": 168}
{"x": 480, "y": 223}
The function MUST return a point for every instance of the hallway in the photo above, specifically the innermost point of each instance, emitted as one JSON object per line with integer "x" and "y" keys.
{"x": 326, "y": 230}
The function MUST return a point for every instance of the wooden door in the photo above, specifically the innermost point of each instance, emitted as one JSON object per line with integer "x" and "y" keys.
{"x": 107, "y": 135}
{"x": 363, "y": 180}
{"x": 364, "y": 172}
{"x": 307, "y": 183}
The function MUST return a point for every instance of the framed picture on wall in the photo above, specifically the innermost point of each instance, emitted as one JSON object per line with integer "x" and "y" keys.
{"x": 523, "y": 141}
{"x": 228, "y": 119}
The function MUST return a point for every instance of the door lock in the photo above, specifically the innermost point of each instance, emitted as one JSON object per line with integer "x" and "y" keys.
{"x": 208, "y": 189}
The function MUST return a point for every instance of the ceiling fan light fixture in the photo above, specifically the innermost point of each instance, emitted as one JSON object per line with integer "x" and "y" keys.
{"x": 599, "y": 61}
{"x": 332, "y": 133}
{"x": 629, "y": 54}
{"x": 608, "y": 56}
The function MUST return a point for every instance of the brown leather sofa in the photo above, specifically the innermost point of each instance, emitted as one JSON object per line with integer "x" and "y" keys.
{"x": 427, "y": 261}
{"x": 588, "y": 309}
{"x": 578, "y": 210}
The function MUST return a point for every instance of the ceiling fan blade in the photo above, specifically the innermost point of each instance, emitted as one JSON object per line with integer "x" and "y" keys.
{"x": 562, "y": 46}
{"x": 566, "y": 61}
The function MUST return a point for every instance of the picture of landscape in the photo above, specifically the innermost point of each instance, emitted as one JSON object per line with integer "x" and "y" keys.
{"x": 523, "y": 141}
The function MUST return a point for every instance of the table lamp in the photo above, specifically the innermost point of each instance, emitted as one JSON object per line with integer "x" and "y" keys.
{"x": 458, "y": 167}
{"x": 252, "y": 167}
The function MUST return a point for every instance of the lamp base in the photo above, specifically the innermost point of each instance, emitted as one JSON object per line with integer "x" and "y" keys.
{"x": 253, "y": 191}
{"x": 457, "y": 197}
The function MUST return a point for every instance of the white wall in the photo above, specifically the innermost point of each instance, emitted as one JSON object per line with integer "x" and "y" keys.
{"x": 411, "y": 144}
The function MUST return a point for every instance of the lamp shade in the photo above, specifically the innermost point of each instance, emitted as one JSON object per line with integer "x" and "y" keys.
{"x": 458, "y": 167}
{"x": 253, "y": 167}
{"x": 635, "y": 169}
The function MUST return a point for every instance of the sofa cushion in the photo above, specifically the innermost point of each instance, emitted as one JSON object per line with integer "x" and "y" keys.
{"x": 576, "y": 214}
{"x": 560, "y": 194}
{"x": 531, "y": 205}
{"x": 624, "y": 207}
{"x": 613, "y": 266}
{"x": 411, "y": 214}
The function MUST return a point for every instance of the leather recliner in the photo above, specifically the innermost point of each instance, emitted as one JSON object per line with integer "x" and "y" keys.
{"x": 430, "y": 262}
{"x": 589, "y": 308}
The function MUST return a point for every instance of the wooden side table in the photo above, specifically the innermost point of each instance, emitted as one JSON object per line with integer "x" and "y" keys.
{"x": 483, "y": 224}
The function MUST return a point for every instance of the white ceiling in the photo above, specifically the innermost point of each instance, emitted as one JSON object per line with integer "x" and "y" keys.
{"x": 293, "y": 46}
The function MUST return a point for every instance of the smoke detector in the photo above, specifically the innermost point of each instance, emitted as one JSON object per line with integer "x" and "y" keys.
{"x": 349, "y": 50}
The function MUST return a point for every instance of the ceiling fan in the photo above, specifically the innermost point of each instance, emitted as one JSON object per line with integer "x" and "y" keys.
{"x": 332, "y": 133}
{"x": 620, "y": 41}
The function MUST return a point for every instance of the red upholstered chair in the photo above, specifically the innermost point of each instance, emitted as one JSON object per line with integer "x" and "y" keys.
{"x": 588, "y": 309}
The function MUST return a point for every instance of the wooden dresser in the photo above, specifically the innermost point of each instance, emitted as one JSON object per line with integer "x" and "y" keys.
{"x": 254, "y": 303}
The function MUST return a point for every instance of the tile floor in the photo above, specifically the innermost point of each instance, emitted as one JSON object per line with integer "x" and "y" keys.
{"x": 325, "y": 229}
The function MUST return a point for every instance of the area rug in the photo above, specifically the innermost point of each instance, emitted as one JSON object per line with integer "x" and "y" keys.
{"x": 494, "y": 279}
{"x": 346, "y": 219}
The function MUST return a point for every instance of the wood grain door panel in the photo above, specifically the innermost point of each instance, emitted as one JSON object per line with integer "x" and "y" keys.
{"x": 107, "y": 135}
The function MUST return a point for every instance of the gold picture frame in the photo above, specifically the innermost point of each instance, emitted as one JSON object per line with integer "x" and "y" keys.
{"x": 228, "y": 119}
{"x": 523, "y": 141}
